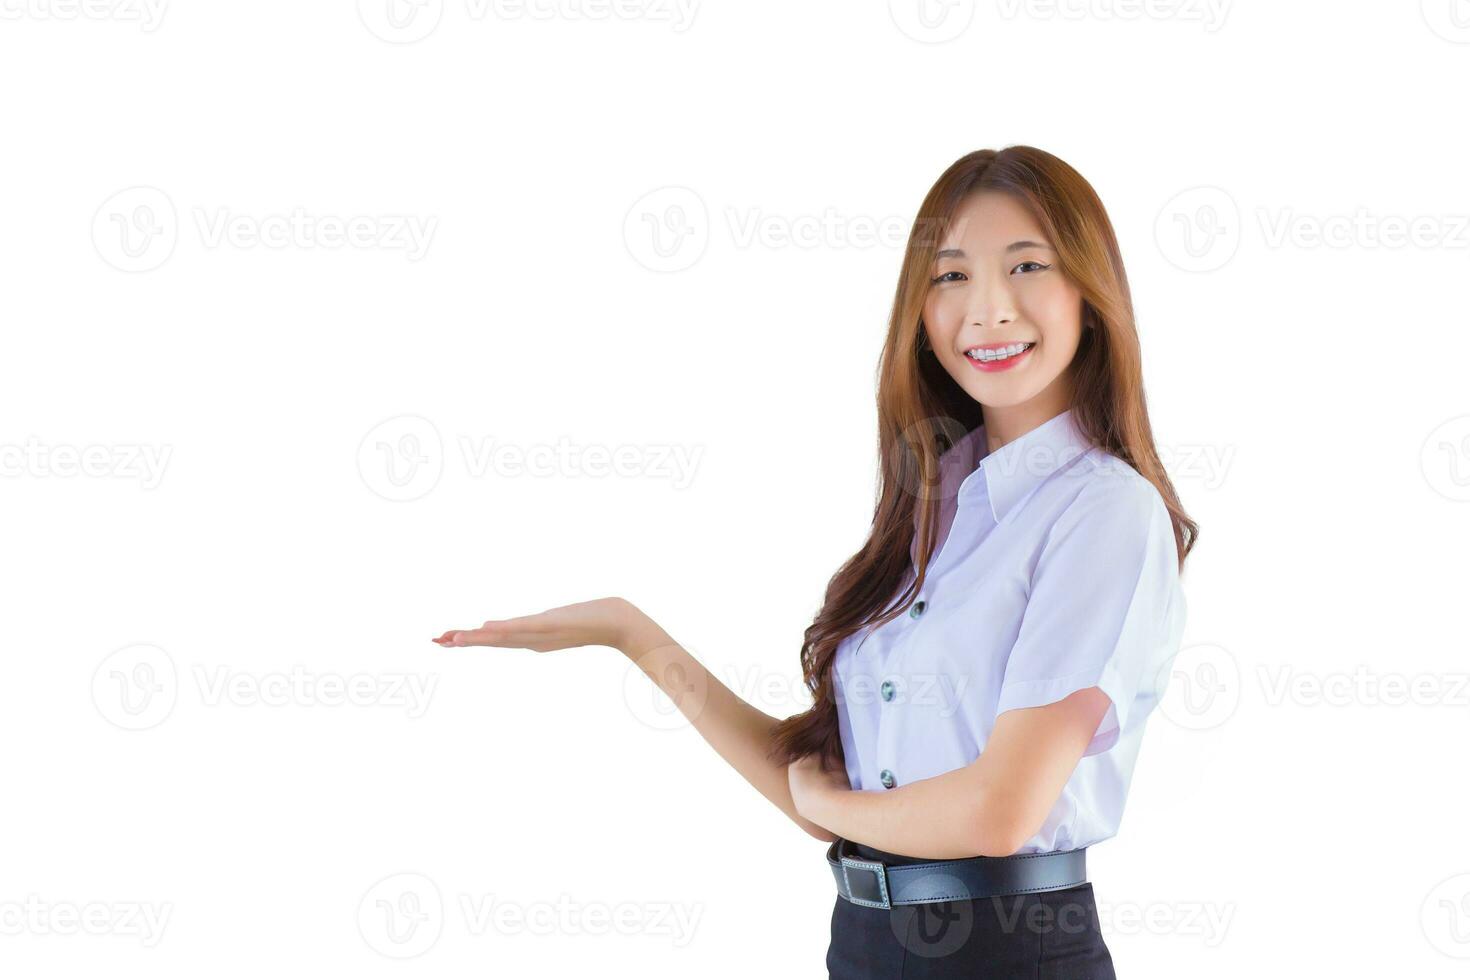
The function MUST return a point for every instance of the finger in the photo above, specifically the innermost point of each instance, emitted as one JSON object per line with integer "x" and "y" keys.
{"x": 486, "y": 636}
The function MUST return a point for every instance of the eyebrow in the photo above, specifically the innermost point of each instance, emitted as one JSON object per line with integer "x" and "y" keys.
{"x": 959, "y": 253}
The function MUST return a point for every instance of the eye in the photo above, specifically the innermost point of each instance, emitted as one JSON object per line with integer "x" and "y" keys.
{"x": 943, "y": 277}
{"x": 1039, "y": 266}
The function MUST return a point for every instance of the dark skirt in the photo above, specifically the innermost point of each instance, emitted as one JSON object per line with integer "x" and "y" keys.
{"x": 1052, "y": 935}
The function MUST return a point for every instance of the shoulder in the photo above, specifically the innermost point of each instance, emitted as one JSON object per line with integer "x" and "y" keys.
{"x": 1102, "y": 488}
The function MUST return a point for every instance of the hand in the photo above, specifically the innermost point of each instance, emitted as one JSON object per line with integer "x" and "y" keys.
{"x": 598, "y": 622}
{"x": 812, "y": 786}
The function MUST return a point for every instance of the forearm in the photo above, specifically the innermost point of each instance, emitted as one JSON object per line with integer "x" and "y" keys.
{"x": 736, "y": 730}
{"x": 940, "y": 817}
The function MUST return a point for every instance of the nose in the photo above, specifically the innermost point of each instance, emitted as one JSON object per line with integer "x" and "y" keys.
{"x": 992, "y": 304}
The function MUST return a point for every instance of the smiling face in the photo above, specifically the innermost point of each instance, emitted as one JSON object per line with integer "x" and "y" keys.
{"x": 996, "y": 288}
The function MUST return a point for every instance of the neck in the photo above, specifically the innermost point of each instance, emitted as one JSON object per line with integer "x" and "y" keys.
{"x": 1006, "y": 424}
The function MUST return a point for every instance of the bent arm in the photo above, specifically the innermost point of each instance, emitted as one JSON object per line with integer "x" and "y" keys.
{"x": 739, "y": 732}
{"x": 990, "y": 807}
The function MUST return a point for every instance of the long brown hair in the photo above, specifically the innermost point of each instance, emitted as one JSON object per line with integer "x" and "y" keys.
{"x": 921, "y": 408}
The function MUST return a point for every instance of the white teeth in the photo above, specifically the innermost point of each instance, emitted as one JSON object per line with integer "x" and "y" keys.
{"x": 999, "y": 353}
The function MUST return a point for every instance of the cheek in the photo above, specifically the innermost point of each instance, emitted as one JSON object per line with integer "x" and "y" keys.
{"x": 1057, "y": 313}
{"x": 940, "y": 314}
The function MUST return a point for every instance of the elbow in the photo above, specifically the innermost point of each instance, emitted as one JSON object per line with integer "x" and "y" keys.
{"x": 996, "y": 835}
{"x": 815, "y": 830}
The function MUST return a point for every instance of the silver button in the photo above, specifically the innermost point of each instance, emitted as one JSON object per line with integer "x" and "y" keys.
{"x": 886, "y": 778}
{"x": 917, "y": 609}
{"x": 886, "y": 690}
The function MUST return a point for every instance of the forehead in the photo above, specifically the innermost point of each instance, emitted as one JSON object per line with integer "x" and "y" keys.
{"x": 988, "y": 221}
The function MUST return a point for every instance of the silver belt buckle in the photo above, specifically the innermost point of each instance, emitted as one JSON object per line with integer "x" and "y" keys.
{"x": 876, "y": 869}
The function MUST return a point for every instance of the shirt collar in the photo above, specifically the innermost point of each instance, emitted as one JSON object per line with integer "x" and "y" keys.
{"x": 1015, "y": 469}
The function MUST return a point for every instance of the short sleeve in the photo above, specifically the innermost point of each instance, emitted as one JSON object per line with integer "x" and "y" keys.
{"x": 1098, "y": 610}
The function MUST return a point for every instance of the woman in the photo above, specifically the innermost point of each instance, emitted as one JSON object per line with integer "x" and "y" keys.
{"x": 983, "y": 667}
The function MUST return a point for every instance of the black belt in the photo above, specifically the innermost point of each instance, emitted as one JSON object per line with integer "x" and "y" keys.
{"x": 882, "y": 886}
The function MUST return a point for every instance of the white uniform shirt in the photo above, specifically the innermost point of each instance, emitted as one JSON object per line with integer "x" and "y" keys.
{"x": 1058, "y": 573}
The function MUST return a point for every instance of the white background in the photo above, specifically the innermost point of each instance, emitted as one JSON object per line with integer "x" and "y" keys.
{"x": 1305, "y": 370}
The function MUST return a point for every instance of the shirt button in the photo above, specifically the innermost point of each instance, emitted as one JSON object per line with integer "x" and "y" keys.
{"x": 886, "y": 691}
{"x": 917, "y": 610}
{"x": 886, "y": 778}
